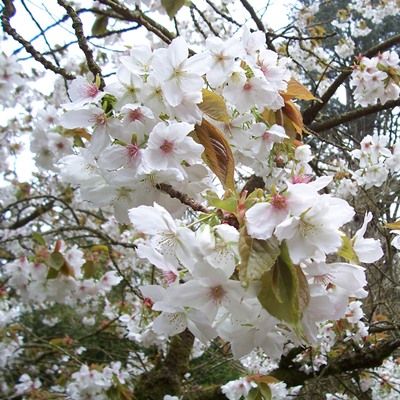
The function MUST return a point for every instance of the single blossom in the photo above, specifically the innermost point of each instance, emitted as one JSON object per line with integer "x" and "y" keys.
{"x": 179, "y": 74}
{"x": 169, "y": 145}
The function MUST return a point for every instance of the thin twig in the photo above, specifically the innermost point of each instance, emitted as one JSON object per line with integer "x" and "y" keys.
{"x": 42, "y": 32}
{"x": 89, "y": 38}
{"x": 221, "y": 14}
{"x": 82, "y": 42}
{"x": 205, "y": 19}
{"x": 142, "y": 19}
{"x": 5, "y": 22}
{"x": 258, "y": 23}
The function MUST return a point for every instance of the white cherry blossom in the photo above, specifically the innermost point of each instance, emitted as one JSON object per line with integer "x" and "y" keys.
{"x": 169, "y": 145}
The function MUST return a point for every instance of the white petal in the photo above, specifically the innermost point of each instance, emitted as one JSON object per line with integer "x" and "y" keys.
{"x": 261, "y": 220}
{"x": 151, "y": 220}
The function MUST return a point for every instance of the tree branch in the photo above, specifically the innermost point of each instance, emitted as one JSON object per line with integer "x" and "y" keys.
{"x": 42, "y": 32}
{"x": 182, "y": 197}
{"x": 82, "y": 42}
{"x": 89, "y": 37}
{"x": 366, "y": 357}
{"x": 258, "y": 23}
{"x": 5, "y": 22}
{"x": 352, "y": 115}
{"x": 219, "y": 12}
{"x": 35, "y": 214}
{"x": 142, "y": 19}
{"x": 205, "y": 19}
{"x": 166, "y": 377}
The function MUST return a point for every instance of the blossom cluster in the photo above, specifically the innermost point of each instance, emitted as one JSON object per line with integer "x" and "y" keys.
{"x": 144, "y": 138}
{"x": 376, "y": 161}
{"x": 263, "y": 269}
{"x": 10, "y": 78}
{"x": 48, "y": 142}
{"x": 142, "y": 131}
{"x": 376, "y": 78}
{"x": 95, "y": 383}
{"x": 56, "y": 277}
{"x": 208, "y": 299}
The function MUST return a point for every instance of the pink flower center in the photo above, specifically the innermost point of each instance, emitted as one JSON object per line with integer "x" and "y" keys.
{"x": 92, "y": 90}
{"x": 247, "y": 87}
{"x": 266, "y": 136}
{"x": 147, "y": 302}
{"x": 100, "y": 119}
{"x": 301, "y": 179}
{"x": 60, "y": 145}
{"x": 135, "y": 115}
{"x": 279, "y": 202}
{"x": 133, "y": 150}
{"x": 167, "y": 147}
{"x": 217, "y": 293}
{"x": 170, "y": 277}
{"x": 324, "y": 279}
{"x": 367, "y": 145}
{"x": 264, "y": 69}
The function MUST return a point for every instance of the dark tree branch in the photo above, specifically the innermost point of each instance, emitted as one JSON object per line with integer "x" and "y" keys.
{"x": 205, "y": 19}
{"x": 63, "y": 19}
{"x": 166, "y": 377}
{"x": 220, "y": 13}
{"x": 89, "y": 37}
{"x": 258, "y": 23}
{"x": 182, "y": 197}
{"x": 353, "y": 115}
{"x": 196, "y": 23}
{"x": 140, "y": 18}
{"x": 5, "y": 22}
{"x": 50, "y": 198}
{"x": 366, "y": 357}
{"x": 42, "y": 32}
{"x": 82, "y": 41}
{"x": 31, "y": 217}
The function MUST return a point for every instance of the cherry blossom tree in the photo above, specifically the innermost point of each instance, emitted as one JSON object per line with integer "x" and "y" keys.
{"x": 213, "y": 211}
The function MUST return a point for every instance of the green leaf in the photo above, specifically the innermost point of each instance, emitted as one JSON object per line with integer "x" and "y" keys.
{"x": 265, "y": 391}
{"x": 254, "y": 394}
{"x": 257, "y": 256}
{"x": 78, "y": 142}
{"x": 108, "y": 102}
{"x": 347, "y": 251}
{"x": 254, "y": 197}
{"x": 38, "y": 238}
{"x": 6, "y": 254}
{"x": 214, "y": 106}
{"x": 89, "y": 269}
{"x": 284, "y": 291}
{"x": 172, "y": 6}
{"x": 52, "y": 273}
{"x": 229, "y": 203}
{"x": 100, "y": 25}
{"x": 56, "y": 260}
